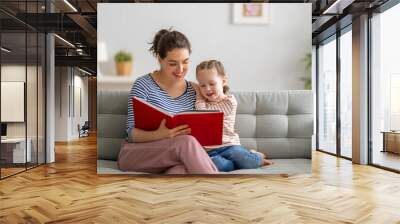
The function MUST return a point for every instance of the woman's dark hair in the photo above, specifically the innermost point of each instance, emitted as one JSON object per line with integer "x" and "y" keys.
{"x": 167, "y": 40}
{"x": 217, "y": 65}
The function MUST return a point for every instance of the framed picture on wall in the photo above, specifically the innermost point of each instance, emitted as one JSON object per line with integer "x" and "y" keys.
{"x": 250, "y": 13}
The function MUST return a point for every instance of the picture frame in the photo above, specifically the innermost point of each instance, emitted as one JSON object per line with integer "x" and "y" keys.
{"x": 250, "y": 13}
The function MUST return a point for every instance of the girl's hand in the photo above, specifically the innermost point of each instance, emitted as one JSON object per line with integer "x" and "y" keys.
{"x": 164, "y": 132}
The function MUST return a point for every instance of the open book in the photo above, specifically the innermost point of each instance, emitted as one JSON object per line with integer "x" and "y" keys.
{"x": 206, "y": 126}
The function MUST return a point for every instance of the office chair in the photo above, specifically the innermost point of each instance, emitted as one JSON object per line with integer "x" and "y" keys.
{"x": 84, "y": 130}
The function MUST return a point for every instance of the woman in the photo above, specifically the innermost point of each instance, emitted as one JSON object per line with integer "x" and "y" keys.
{"x": 170, "y": 151}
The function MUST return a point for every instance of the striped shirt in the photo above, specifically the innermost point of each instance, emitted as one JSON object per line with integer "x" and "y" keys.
{"x": 228, "y": 105}
{"x": 146, "y": 88}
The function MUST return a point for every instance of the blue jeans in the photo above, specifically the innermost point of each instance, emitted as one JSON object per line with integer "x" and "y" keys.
{"x": 234, "y": 157}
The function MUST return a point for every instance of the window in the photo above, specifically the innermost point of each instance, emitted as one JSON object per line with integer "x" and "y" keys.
{"x": 346, "y": 94}
{"x": 22, "y": 65}
{"x": 385, "y": 87}
{"x": 395, "y": 102}
{"x": 327, "y": 96}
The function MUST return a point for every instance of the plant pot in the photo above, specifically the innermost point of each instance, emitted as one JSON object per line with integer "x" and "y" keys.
{"x": 124, "y": 68}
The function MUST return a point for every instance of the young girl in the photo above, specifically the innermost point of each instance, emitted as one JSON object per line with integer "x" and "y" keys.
{"x": 214, "y": 96}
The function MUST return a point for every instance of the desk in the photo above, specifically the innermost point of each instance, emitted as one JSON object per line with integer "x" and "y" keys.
{"x": 391, "y": 141}
{"x": 13, "y": 150}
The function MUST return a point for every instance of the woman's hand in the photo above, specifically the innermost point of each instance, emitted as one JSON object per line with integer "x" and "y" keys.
{"x": 164, "y": 132}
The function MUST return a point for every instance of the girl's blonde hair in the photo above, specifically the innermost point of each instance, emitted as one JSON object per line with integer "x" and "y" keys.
{"x": 210, "y": 64}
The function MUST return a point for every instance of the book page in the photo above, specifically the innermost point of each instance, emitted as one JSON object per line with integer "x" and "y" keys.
{"x": 198, "y": 111}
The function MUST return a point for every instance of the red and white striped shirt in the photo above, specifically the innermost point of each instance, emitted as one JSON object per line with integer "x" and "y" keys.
{"x": 228, "y": 106}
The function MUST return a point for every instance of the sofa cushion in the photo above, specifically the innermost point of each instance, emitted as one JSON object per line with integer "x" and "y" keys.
{"x": 248, "y": 102}
{"x": 275, "y": 103}
{"x": 300, "y": 102}
{"x": 271, "y": 126}
{"x": 245, "y": 125}
{"x": 276, "y": 148}
{"x": 109, "y": 125}
{"x": 300, "y": 126}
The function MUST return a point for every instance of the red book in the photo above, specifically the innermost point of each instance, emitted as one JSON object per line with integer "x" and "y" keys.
{"x": 206, "y": 126}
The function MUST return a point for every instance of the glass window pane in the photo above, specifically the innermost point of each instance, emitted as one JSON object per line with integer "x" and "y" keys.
{"x": 13, "y": 87}
{"x": 31, "y": 97}
{"x": 395, "y": 101}
{"x": 327, "y": 96}
{"x": 346, "y": 94}
{"x": 23, "y": 86}
{"x": 41, "y": 98}
{"x": 386, "y": 89}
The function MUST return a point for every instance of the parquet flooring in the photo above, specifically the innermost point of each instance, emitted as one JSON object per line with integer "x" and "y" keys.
{"x": 387, "y": 159}
{"x": 70, "y": 191}
{"x": 9, "y": 171}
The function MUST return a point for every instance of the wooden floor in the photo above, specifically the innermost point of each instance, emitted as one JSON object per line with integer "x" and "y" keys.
{"x": 387, "y": 159}
{"x": 10, "y": 171}
{"x": 70, "y": 191}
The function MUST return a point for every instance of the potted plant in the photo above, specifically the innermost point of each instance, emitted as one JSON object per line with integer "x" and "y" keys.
{"x": 307, "y": 80}
{"x": 123, "y": 61}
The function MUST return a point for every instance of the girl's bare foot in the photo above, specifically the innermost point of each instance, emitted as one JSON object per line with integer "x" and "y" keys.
{"x": 259, "y": 153}
{"x": 265, "y": 162}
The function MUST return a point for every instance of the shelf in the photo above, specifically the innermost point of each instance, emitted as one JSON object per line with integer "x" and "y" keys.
{"x": 115, "y": 79}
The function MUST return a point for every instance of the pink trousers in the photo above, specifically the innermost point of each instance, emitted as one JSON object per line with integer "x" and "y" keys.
{"x": 178, "y": 155}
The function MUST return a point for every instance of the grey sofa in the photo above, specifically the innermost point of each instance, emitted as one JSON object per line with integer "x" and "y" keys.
{"x": 277, "y": 123}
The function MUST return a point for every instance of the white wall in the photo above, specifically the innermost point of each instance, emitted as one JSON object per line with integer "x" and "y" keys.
{"x": 66, "y": 120}
{"x": 61, "y": 103}
{"x": 80, "y": 83}
{"x": 256, "y": 57}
